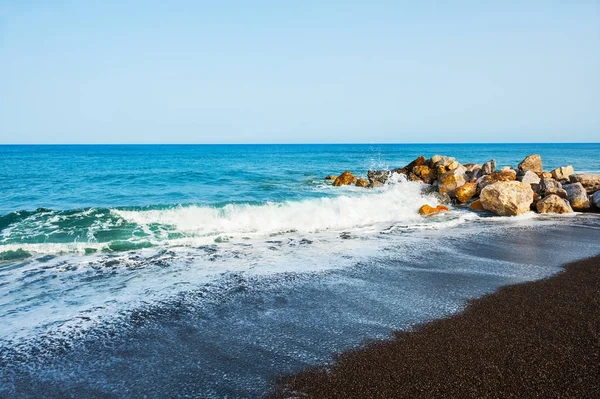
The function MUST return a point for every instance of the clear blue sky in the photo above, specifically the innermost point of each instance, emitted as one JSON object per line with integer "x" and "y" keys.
{"x": 286, "y": 71}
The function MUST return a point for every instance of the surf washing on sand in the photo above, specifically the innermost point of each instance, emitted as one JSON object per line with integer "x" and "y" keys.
{"x": 99, "y": 242}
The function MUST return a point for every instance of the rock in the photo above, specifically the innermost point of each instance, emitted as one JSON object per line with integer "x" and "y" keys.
{"x": 476, "y": 206}
{"x": 548, "y": 184}
{"x": 507, "y": 198}
{"x": 360, "y": 182}
{"x": 421, "y": 160}
{"x": 465, "y": 192}
{"x": 449, "y": 181}
{"x": 424, "y": 173}
{"x": 375, "y": 184}
{"x": 330, "y": 177}
{"x": 529, "y": 177}
{"x": 475, "y": 175}
{"x": 578, "y": 197}
{"x": 379, "y": 176}
{"x": 489, "y": 167}
{"x": 507, "y": 168}
{"x": 429, "y": 210}
{"x": 590, "y": 182}
{"x": 532, "y": 162}
{"x": 546, "y": 175}
{"x": 503, "y": 175}
{"x": 563, "y": 172}
{"x": 557, "y": 191}
{"x": 452, "y": 165}
{"x": 438, "y": 160}
{"x": 345, "y": 179}
{"x": 471, "y": 167}
{"x": 553, "y": 204}
{"x": 596, "y": 199}
{"x": 443, "y": 197}
{"x": 435, "y": 159}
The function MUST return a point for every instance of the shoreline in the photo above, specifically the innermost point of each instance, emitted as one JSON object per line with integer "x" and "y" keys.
{"x": 534, "y": 339}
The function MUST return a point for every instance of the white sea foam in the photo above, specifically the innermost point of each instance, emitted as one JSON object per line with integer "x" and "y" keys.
{"x": 393, "y": 204}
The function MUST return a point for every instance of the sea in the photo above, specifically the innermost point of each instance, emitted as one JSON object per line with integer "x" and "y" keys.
{"x": 210, "y": 270}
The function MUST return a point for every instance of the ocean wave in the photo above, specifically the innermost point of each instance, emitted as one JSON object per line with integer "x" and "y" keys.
{"x": 98, "y": 229}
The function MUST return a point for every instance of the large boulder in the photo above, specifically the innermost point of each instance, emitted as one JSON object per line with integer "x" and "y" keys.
{"x": 531, "y": 162}
{"x": 590, "y": 182}
{"x": 345, "y": 179}
{"x": 548, "y": 184}
{"x": 379, "y": 176}
{"x": 529, "y": 177}
{"x": 507, "y": 198}
{"x": 489, "y": 167}
{"x": 449, "y": 181}
{"x": 429, "y": 210}
{"x": 578, "y": 197}
{"x": 563, "y": 172}
{"x": 553, "y": 204}
{"x": 503, "y": 175}
{"x": 465, "y": 192}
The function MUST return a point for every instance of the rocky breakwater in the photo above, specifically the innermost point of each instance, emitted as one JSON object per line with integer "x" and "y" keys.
{"x": 505, "y": 192}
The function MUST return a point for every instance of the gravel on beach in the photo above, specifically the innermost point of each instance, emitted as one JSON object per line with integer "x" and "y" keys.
{"x": 534, "y": 340}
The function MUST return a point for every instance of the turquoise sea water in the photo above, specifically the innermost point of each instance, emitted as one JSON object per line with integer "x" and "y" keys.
{"x": 78, "y": 194}
{"x": 170, "y": 248}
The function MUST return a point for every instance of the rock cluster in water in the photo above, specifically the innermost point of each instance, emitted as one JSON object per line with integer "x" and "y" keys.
{"x": 505, "y": 192}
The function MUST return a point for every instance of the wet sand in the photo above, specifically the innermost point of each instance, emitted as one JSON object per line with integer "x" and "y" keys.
{"x": 539, "y": 339}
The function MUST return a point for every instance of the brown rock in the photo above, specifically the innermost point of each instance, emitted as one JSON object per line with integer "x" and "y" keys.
{"x": 546, "y": 175}
{"x": 425, "y": 173}
{"x": 438, "y": 160}
{"x": 429, "y": 210}
{"x": 553, "y": 204}
{"x": 421, "y": 160}
{"x": 557, "y": 191}
{"x": 503, "y": 175}
{"x": 453, "y": 165}
{"x": 476, "y": 206}
{"x": 449, "y": 181}
{"x": 532, "y": 162}
{"x": 465, "y": 192}
{"x": 507, "y": 198}
{"x": 362, "y": 182}
{"x": 578, "y": 197}
{"x": 563, "y": 172}
{"x": 375, "y": 184}
{"x": 345, "y": 179}
{"x": 590, "y": 182}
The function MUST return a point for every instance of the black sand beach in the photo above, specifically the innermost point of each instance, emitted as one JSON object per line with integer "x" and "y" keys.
{"x": 539, "y": 339}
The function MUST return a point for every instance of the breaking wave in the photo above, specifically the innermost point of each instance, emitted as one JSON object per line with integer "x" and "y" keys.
{"x": 123, "y": 229}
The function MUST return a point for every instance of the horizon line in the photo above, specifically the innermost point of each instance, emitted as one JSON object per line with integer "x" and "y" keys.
{"x": 275, "y": 143}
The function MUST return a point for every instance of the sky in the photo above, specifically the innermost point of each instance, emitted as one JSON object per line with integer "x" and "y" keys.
{"x": 285, "y": 71}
